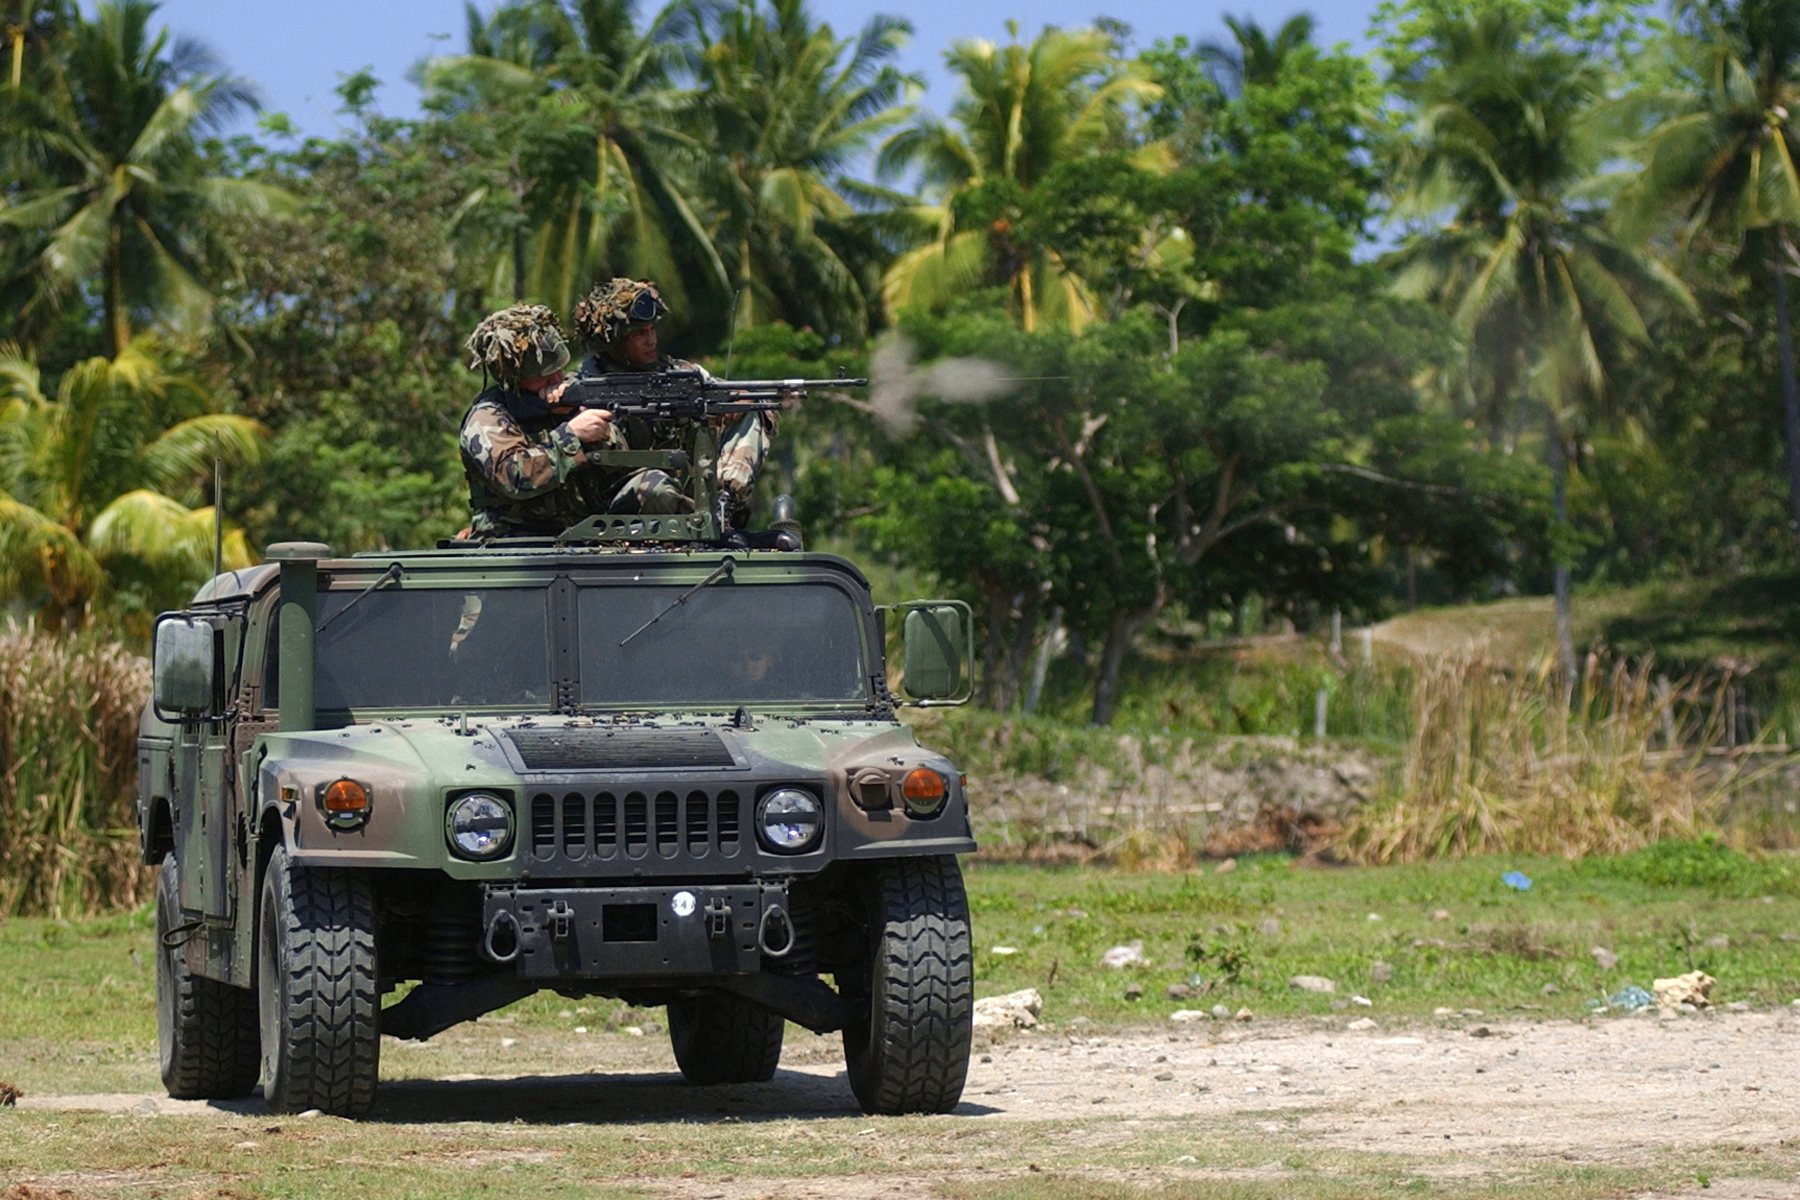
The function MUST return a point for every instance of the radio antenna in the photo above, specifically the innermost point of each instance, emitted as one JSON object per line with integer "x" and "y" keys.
{"x": 218, "y": 511}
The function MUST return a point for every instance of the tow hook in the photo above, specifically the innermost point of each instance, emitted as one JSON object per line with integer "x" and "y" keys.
{"x": 501, "y": 944}
{"x": 718, "y": 918}
{"x": 775, "y": 935}
{"x": 561, "y": 918}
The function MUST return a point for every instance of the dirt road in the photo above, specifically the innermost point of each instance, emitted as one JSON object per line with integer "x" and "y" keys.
{"x": 1701, "y": 1105}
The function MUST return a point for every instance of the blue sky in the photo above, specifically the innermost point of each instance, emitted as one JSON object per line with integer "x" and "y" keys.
{"x": 296, "y": 53}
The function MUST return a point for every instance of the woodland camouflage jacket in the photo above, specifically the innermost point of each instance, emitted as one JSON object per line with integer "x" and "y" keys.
{"x": 527, "y": 472}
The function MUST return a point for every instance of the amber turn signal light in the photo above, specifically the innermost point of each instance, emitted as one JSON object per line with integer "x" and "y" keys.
{"x": 923, "y": 790}
{"x": 345, "y": 798}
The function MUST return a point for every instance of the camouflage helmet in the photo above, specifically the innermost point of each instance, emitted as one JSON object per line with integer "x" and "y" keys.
{"x": 605, "y": 315}
{"x": 521, "y": 342}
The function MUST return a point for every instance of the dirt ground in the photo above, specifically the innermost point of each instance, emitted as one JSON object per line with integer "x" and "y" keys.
{"x": 1465, "y": 1097}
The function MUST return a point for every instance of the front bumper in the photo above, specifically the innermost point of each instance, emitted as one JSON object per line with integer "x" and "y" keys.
{"x": 636, "y": 933}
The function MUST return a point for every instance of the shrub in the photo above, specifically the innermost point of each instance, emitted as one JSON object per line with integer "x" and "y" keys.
{"x": 68, "y": 772}
{"x": 1503, "y": 762}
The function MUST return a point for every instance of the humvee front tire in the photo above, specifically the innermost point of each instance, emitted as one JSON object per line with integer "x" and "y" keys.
{"x": 719, "y": 1037}
{"x": 205, "y": 1029}
{"x": 317, "y": 996}
{"x": 912, "y": 1053}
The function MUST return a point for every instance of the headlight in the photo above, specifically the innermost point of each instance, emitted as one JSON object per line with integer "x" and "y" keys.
{"x": 479, "y": 826}
{"x": 789, "y": 820}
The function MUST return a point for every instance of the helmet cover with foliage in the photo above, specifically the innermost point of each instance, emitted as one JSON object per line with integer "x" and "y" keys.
{"x": 524, "y": 341}
{"x": 605, "y": 315}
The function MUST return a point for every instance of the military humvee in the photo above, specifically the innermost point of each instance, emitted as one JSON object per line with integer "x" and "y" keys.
{"x": 392, "y": 792}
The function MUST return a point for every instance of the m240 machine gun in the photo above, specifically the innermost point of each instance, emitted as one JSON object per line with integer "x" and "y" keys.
{"x": 689, "y": 394}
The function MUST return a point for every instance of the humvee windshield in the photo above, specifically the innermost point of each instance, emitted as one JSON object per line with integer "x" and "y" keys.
{"x": 421, "y": 648}
{"x": 724, "y": 644}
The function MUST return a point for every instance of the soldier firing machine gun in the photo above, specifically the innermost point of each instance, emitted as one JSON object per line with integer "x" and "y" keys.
{"x": 693, "y": 397}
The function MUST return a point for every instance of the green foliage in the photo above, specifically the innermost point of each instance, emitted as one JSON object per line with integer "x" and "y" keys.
{"x": 1224, "y": 954}
{"x": 787, "y": 107}
{"x": 572, "y": 119}
{"x": 96, "y": 485}
{"x": 1704, "y": 864}
{"x": 126, "y": 209}
{"x": 362, "y": 386}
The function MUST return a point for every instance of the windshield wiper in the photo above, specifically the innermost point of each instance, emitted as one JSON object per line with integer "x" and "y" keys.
{"x": 722, "y": 571}
{"x": 391, "y": 575}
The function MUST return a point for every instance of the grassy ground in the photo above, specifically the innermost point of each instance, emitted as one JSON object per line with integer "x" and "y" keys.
{"x": 77, "y": 998}
{"x": 77, "y": 1015}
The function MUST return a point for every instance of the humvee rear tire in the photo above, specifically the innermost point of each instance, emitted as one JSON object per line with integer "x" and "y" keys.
{"x": 317, "y": 996}
{"x": 720, "y": 1037}
{"x": 912, "y": 1053}
{"x": 205, "y": 1029}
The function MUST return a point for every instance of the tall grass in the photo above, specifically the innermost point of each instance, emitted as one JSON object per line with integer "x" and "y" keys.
{"x": 68, "y": 773}
{"x": 1504, "y": 762}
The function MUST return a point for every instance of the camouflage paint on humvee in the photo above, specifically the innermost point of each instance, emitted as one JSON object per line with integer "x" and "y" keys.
{"x": 633, "y": 762}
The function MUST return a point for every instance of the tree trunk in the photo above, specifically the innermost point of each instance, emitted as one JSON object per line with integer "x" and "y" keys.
{"x": 1790, "y": 394}
{"x": 118, "y": 324}
{"x": 1121, "y": 633}
{"x": 993, "y": 652}
{"x": 1047, "y": 648}
{"x": 1565, "y": 619}
{"x": 518, "y": 265}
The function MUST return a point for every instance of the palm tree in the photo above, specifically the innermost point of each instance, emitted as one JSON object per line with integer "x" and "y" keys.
{"x": 102, "y": 476}
{"x": 1547, "y": 295}
{"x": 1726, "y": 153}
{"x": 786, "y": 108}
{"x": 28, "y": 22}
{"x": 1026, "y": 111}
{"x": 128, "y": 208}
{"x": 1256, "y": 58}
{"x": 592, "y": 121}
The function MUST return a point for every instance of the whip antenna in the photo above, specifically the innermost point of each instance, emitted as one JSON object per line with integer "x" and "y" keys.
{"x": 218, "y": 511}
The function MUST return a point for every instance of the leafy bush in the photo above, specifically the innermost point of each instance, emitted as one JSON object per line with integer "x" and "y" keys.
{"x": 1705, "y": 863}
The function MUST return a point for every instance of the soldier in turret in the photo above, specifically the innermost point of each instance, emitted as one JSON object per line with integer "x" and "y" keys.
{"x": 528, "y": 468}
{"x": 617, "y": 321}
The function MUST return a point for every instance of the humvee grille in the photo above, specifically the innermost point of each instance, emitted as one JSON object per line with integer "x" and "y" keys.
{"x": 693, "y": 826}
{"x": 615, "y": 749}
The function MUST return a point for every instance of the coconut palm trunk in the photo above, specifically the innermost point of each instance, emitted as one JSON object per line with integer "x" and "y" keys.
{"x": 1779, "y": 250}
{"x": 1560, "y": 581}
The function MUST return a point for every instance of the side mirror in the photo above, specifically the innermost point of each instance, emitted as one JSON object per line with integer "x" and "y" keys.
{"x": 184, "y": 668}
{"x": 937, "y": 651}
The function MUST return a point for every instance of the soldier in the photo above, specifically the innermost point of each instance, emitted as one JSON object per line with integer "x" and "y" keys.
{"x": 617, "y": 321}
{"x": 528, "y": 470}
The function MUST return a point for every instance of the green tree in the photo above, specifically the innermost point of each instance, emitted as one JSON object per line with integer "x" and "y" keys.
{"x": 128, "y": 206}
{"x": 1724, "y": 154}
{"x": 364, "y": 386}
{"x": 99, "y": 483}
{"x": 1500, "y": 149}
{"x": 786, "y": 108}
{"x": 1255, "y": 56}
{"x": 1027, "y": 113}
{"x": 577, "y": 112}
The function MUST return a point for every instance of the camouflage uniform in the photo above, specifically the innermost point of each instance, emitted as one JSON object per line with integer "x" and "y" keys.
{"x": 527, "y": 472}
{"x": 602, "y": 318}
